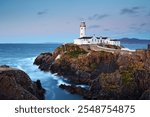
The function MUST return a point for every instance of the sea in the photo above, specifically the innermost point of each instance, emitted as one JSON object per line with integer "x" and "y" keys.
{"x": 22, "y": 56}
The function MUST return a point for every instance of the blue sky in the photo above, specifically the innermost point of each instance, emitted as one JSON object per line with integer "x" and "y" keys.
{"x": 37, "y": 21}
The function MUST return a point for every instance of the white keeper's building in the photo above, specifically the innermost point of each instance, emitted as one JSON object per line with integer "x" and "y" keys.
{"x": 93, "y": 39}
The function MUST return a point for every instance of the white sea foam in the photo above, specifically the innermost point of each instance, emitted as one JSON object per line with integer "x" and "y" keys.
{"x": 83, "y": 86}
{"x": 26, "y": 65}
{"x": 49, "y": 81}
{"x": 59, "y": 79}
{"x": 19, "y": 67}
{"x": 62, "y": 82}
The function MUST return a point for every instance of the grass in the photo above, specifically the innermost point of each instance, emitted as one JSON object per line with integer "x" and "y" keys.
{"x": 76, "y": 53}
{"x": 93, "y": 66}
{"x": 127, "y": 77}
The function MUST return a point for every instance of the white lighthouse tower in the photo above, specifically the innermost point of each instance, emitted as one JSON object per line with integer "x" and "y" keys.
{"x": 86, "y": 40}
{"x": 82, "y": 29}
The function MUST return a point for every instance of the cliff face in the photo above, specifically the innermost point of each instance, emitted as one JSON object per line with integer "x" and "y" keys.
{"x": 109, "y": 75}
{"x": 16, "y": 85}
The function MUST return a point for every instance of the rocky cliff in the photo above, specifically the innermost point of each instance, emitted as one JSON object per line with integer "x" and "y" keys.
{"x": 16, "y": 85}
{"x": 109, "y": 75}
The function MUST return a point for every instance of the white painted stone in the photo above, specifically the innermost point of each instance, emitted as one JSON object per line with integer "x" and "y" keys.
{"x": 93, "y": 40}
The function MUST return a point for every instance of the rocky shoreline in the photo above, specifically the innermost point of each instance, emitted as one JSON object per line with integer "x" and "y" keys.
{"x": 109, "y": 75}
{"x": 15, "y": 84}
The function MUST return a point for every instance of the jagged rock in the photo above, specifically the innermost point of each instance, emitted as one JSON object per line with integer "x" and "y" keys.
{"x": 118, "y": 75}
{"x": 4, "y": 66}
{"x": 44, "y": 60}
{"x": 116, "y": 86}
{"x": 16, "y": 85}
{"x": 77, "y": 90}
{"x": 40, "y": 91}
{"x": 146, "y": 95}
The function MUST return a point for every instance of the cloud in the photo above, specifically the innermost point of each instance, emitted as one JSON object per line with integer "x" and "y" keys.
{"x": 42, "y": 12}
{"x": 138, "y": 27}
{"x": 94, "y": 26}
{"x": 143, "y": 24}
{"x": 106, "y": 29}
{"x": 130, "y": 11}
{"x": 98, "y": 16}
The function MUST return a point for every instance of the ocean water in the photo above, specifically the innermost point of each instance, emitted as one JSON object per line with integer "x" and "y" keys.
{"x": 135, "y": 46}
{"x": 22, "y": 56}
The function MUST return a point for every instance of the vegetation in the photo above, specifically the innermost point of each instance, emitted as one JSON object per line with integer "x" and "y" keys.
{"x": 73, "y": 51}
{"x": 127, "y": 77}
{"x": 93, "y": 66}
{"x": 75, "y": 54}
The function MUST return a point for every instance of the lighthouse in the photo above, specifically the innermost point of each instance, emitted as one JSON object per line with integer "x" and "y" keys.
{"x": 82, "y": 29}
{"x": 87, "y": 40}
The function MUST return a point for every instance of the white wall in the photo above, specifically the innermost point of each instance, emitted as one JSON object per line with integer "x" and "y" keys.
{"x": 80, "y": 42}
{"x": 82, "y": 32}
{"x": 94, "y": 40}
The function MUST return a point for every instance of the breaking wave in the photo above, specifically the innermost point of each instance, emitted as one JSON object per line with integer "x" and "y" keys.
{"x": 49, "y": 81}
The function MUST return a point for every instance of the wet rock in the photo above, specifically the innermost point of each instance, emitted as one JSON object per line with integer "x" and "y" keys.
{"x": 44, "y": 60}
{"x": 76, "y": 90}
{"x": 16, "y": 85}
{"x": 121, "y": 75}
{"x": 146, "y": 95}
{"x": 4, "y": 66}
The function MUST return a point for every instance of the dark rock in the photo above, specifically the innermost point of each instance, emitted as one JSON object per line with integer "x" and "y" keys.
{"x": 16, "y": 85}
{"x": 44, "y": 60}
{"x": 40, "y": 91}
{"x": 76, "y": 90}
{"x": 146, "y": 95}
{"x": 118, "y": 75}
{"x": 4, "y": 66}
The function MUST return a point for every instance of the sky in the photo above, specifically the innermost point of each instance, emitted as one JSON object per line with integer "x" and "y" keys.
{"x": 40, "y": 21}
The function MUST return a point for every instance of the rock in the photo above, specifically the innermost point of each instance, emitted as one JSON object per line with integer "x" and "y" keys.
{"x": 112, "y": 86}
{"x": 40, "y": 91}
{"x": 16, "y": 85}
{"x": 76, "y": 90}
{"x": 44, "y": 60}
{"x": 4, "y": 66}
{"x": 120, "y": 75}
{"x": 146, "y": 95}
